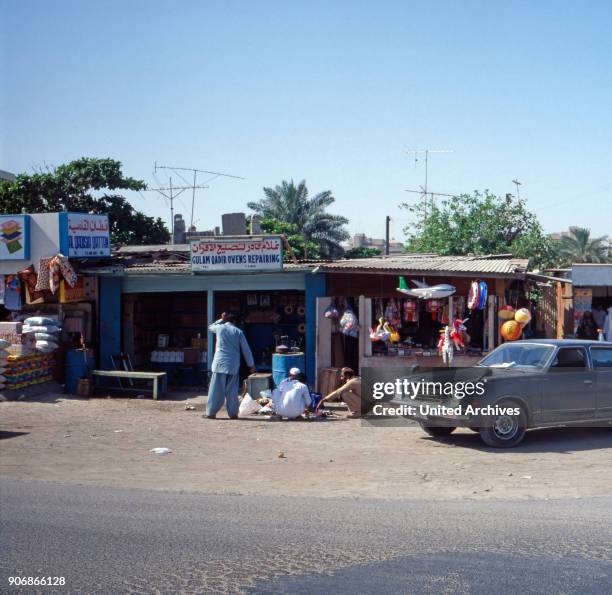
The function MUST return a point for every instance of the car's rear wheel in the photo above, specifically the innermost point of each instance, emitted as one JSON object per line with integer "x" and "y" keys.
{"x": 438, "y": 431}
{"x": 504, "y": 430}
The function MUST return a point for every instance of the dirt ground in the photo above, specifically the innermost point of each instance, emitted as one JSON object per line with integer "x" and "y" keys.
{"x": 102, "y": 441}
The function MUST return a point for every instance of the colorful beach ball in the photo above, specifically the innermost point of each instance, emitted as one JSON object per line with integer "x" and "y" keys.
{"x": 522, "y": 316}
{"x": 511, "y": 330}
{"x": 506, "y": 312}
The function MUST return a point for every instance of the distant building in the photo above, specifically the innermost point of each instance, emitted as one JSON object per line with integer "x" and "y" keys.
{"x": 360, "y": 240}
{"x": 6, "y": 175}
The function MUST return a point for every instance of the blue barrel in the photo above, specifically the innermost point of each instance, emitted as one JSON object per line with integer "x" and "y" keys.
{"x": 77, "y": 367}
{"x": 282, "y": 363}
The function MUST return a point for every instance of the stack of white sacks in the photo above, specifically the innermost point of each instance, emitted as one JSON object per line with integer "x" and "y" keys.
{"x": 3, "y": 360}
{"x": 46, "y": 331}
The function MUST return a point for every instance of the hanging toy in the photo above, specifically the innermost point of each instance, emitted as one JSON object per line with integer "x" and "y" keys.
{"x": 511, "y": 330}
{"x": 331, "y": 312}
{"x": 459, "y": 334}
{"x": 474, "y": 296}
{"x": 482, "y": 302}
{"x": 445, "y": 346}
{"x": 433, "y": 306}
{"x": 394, "y": 335}
{"x": 349, "y": 324}
{"x": 410, "y": 311}
{"x": 380, "y": 333}
{"x": 506, "y": 312}
{"x": 522, "y": 316}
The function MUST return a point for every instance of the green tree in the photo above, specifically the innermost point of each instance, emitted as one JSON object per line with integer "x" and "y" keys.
{"x": 294, "y": 239}
{"x": 87, "y": 185}
{"x": 291, "y": 204}
{"x": 479, "y": 223}
{"x": 578, "y": 246}
{"x": 362, "y": 252}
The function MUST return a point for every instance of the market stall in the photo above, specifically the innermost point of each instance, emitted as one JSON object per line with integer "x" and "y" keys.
{"x": 413, "y": 309}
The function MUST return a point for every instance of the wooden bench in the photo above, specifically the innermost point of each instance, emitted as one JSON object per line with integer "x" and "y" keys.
{"x": 160, "y": 380}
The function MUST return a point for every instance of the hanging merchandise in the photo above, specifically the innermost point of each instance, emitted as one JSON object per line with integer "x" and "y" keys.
{"x": 459, "y": 334}
{"x": 379, "y": 309}
{"x": 12, "y": 293}
{"x": 392, "y": 313}
{"x": 433, "y": 306}
{"x": 394, "y": 335}
{"x": 474, "y": 295}
{"x": 349, "y": 324}
{"x": 506, "y": 312}
{"x": 477, "y": 298}
{"x": 511, "y": 330}
{"x": 2, "y": 289}
{"x": 484, "y": 292}
{"x": 29, "y": 278}
{"x": 445, "y": 346}
{"x": 331, "y": 312}
{"x": 411, "y": 312}
{"x": 380, "y": 333}
{"x": 522, "y": 316}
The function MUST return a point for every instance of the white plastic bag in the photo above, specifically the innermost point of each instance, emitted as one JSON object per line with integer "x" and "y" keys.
{"x": 248, "y": 406}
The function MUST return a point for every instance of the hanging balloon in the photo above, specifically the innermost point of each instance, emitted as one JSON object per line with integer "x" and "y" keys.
{"x": 511, "y": 330}
{"x": 482, "y": 299}
{"x": 522, "y": 316}
{"x": 506, "y": 312}
{"x": 474, "y": 295}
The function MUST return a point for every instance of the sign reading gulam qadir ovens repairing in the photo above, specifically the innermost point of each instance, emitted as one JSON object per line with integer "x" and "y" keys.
{"x": 237, "y": 254}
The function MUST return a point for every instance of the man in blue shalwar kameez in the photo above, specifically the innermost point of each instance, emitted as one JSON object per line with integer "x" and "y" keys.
{"x": 225, "y": 381}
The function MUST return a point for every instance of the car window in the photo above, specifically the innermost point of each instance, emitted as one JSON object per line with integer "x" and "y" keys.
{"x": 570, "y": 357}
{"x": 602, "y": 357}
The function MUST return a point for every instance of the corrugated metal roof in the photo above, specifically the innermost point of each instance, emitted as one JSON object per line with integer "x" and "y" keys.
{"x": 184, "y": 268}
{"x": 592, "y": 275}
{"x": 428, "y": 263}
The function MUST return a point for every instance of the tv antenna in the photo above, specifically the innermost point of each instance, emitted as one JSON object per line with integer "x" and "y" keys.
{"x": 517, "y": 183}
{"x": 423, "y": 190}
{"x": 170, "y": 194}
{"x": 214, "y": 174}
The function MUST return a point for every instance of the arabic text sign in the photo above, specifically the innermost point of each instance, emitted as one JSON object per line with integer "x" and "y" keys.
{"x": 85, "y": 235}
{"x": 237, "y": 255}
{"x": 14, "y": 237}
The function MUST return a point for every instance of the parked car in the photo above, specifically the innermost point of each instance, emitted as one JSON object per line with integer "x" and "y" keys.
{"x": 542, "y": 383}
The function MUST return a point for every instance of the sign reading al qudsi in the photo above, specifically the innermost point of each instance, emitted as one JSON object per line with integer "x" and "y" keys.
{"x": 215, "y": 254}
{"x": 84, "y": 236}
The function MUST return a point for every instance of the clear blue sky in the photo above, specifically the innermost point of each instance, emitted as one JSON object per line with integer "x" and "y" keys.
{"x": 332, "y": 92}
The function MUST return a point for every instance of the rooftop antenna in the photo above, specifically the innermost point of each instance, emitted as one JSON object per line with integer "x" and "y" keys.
{"x": 424, "y": 191}
{"x": 170, "y": 193}
{"x": 193, "y": 187}
{"x": 517, "y": 183}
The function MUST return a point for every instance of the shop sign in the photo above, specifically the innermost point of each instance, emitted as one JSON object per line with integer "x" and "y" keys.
{"x": 215, "y": 254}
{"x": 84, "y": 290}
{"x": 14, "y": 237}
{"x": 84, "y": 236}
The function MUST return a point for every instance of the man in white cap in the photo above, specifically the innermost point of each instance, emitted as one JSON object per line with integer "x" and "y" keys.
{"x": 292, "y": 396}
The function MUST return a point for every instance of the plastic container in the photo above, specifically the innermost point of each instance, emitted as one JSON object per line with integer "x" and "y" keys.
{"x": 282, "y": 363}
{"x": 79, "y": 364}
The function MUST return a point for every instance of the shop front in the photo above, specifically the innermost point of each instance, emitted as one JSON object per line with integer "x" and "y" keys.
{"x": 48, "y": 307}
{"x": 592, "y": 292}
{"x": 404, "y": 329}
{"x": 158, "y": 310}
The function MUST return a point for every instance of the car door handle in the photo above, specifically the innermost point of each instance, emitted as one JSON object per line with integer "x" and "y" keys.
{"x": 588, "y": 382}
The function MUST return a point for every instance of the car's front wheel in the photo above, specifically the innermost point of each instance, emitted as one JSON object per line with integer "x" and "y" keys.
{"x": 505, "y": 430}
{"x": 437, "y": 431}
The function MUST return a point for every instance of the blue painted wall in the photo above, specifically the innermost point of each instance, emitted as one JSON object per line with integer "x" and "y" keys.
{"x": 110, "y": 320}
{"x": 315, "y": 287}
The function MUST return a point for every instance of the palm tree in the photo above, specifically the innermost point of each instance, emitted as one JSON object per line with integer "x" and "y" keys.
{"x": 578, "y": 246}
{"x": 290, "y": 204}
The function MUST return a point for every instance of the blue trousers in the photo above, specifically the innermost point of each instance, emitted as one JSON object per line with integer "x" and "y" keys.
{"x": 223, "y": 387}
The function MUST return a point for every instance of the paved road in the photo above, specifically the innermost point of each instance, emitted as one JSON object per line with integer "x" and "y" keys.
{"x": 107, "y": 540}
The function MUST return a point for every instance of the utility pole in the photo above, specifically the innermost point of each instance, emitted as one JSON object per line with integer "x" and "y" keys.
{"x": 215, "y": 174}
{"x": 387, "y": 222}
